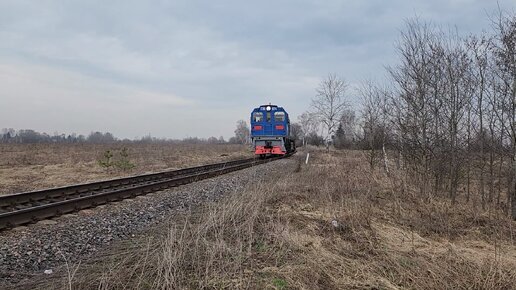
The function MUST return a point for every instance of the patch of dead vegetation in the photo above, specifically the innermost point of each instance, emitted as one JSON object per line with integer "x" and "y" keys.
{"x": 333, "y": 224}
{"x": 26, "y": 167}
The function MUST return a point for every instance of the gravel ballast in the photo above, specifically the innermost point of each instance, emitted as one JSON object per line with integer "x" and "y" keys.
{"x": 32, "y": 250}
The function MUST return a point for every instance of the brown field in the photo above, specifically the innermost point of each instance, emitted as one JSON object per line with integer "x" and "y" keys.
{"x": 331, "y": 224}
{"x": 25, "y": 167}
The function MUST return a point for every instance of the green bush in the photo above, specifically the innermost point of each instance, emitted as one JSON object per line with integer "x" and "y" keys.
{"x": 123, "y": 162}
{"x": 107, "y": 160}
{"x": 280, "y": 284}
{"x": 120, "y": 161}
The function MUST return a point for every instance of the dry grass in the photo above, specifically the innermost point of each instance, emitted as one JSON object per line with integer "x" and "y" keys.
{"x": 332, "y": 224}
{"x": 26, "y": 167}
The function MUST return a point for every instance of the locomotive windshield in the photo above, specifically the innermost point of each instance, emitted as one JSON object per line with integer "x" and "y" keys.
{"x": 258, "y": 116}
{"x": 268, "y": 116}
{"x": 279, "y": 116}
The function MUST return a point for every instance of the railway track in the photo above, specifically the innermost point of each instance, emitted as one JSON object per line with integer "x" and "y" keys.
{"x": 28, "y": 207}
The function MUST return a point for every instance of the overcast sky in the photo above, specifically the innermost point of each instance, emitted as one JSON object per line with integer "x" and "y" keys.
{"x": 193, "y": 68}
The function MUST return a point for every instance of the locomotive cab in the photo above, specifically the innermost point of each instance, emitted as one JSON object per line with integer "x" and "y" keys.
{"x": 270, "y": 131}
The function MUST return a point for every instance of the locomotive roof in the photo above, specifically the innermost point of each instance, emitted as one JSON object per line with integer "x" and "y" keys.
{"x": 260, "y": 108}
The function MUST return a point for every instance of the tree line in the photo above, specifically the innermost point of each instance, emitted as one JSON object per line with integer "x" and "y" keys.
{"x": 28, "y": 136}
{"x": 450, "y": 112}
{"x": 446, "y": 114}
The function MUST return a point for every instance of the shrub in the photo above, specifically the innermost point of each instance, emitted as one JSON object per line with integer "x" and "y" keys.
{"x": 107, "y": 160}
{"x": 123, "y": 163}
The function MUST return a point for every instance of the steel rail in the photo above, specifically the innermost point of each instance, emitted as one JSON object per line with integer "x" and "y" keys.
{"x": 111, "y": 191}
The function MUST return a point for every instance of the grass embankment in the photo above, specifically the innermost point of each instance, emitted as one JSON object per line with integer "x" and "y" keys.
{"x": 327, "y": 225}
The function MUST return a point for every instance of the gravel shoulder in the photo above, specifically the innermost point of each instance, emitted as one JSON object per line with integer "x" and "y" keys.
{"x": 50, "y": 245}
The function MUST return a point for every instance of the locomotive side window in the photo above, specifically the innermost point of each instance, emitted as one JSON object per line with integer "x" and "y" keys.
{"x": 258, "y": 116}
{"x": 268, "y": 116}
{"x": 279, "y": 116}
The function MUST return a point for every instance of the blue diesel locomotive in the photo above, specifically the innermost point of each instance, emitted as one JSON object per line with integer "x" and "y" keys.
{"x": 270, "y": 131}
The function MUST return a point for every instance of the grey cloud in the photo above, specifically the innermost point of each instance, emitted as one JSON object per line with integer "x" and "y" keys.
{"x": 223, "y": 56}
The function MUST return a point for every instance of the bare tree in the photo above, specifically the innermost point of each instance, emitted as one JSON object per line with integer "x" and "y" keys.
{"x": 348, "y": 123}
{"x": 309, "y": 123}
{"x": 413, "y": 99}
{"x": 504, "y": 50}
{"x": 374, "y": 123}
{"x": 456, "y": 99}
{"x": 330, "y": 102}
{"x": 242, "y": 132}
{"x": 296, "y": 132}
{"x": 479, "y": 50}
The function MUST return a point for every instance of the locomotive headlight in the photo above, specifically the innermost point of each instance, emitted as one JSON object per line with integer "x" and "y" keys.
{"x": 268, "y": 108}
